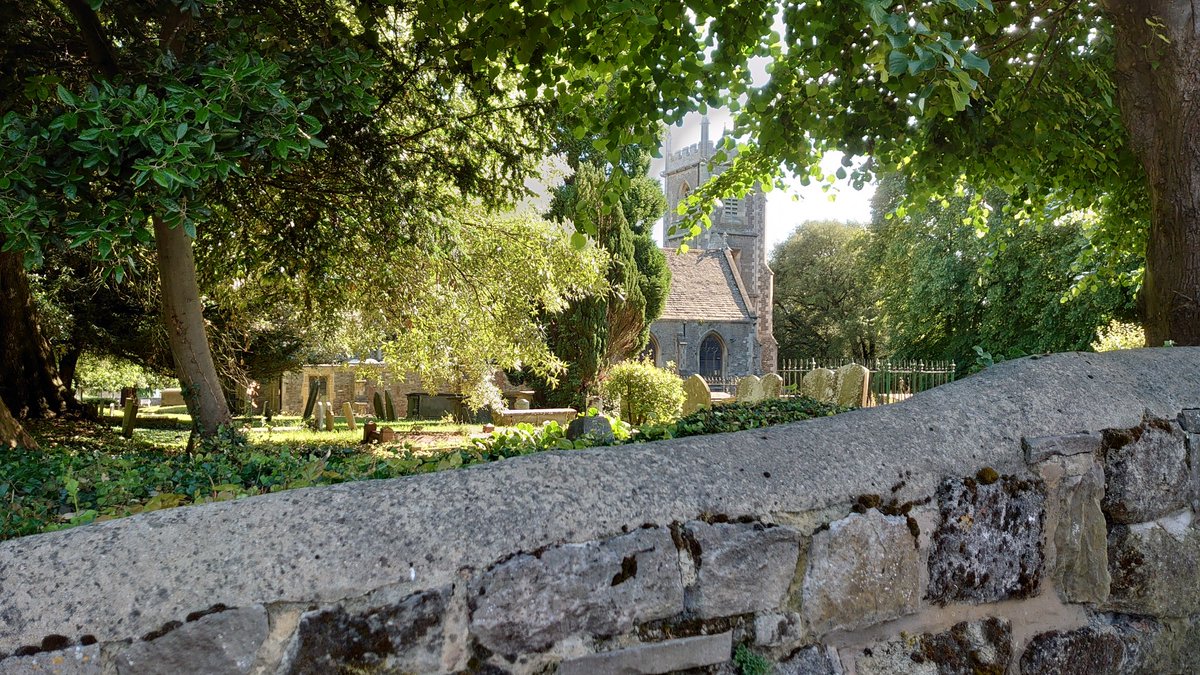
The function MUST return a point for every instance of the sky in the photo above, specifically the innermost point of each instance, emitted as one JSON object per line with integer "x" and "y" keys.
{"x": 785, "y": 209}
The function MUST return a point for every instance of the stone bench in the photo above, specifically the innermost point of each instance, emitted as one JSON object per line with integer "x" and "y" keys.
{"x": 534, "y": 416}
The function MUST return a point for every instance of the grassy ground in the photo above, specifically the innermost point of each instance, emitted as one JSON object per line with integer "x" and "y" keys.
{"x": 86, "y": 472}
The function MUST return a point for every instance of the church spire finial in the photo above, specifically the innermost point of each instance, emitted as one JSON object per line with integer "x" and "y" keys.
{"x": 704, "y": 131}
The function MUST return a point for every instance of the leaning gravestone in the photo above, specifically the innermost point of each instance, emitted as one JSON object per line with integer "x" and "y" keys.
{"x": 820, "y": 385}
{"x": 348, "y": 413}
{"x": 378, "y": 406}
{"x": 696, "y": 395}
{"x": 312, "y": 400}
{"x": 329, "y": 416}
{"x": 749, "y": 389}
{"x": 389, "y": 407}
{"x": 852, "y": 385}
{"x": 772, "y": 386}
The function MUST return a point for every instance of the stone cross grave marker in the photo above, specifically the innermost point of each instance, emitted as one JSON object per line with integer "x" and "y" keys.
{"x": 819, "y": 385}
{"x": 696, "y": 395}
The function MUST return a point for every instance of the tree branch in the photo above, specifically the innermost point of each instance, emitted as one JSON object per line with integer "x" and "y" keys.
{"x": 100, "y": 50}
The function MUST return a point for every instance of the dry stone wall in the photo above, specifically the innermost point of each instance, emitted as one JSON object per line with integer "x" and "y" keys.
{"x": 1036, "y": 518}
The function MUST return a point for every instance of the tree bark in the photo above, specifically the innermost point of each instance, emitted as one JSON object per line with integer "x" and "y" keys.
{"x": 29, "y": 382}
{"x": 184, "y": 320}
{"x": 1158, "y": 78}
{"x": 12, "y": 434}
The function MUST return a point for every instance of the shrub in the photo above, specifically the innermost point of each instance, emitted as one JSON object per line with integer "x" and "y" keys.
{"x": 644, "y": 393}
{"x": 722, "y": 419}
{"x": 1118, "y": 335}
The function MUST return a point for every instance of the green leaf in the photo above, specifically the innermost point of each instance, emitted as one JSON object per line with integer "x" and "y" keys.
{"x": 973, "y": 62}
{"x": 897, "y": 62}
{"x": 578, "y": 241}
{"x": 181, "y": 131}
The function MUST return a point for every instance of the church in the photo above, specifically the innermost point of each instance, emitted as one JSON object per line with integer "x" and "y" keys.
{"x": 717, "y": 319}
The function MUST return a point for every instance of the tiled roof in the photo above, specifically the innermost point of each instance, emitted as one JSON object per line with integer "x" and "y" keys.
{"x": 703, "y": 288}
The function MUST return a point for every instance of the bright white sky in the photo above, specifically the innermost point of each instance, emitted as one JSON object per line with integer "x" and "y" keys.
{"x": 787, "y": 209}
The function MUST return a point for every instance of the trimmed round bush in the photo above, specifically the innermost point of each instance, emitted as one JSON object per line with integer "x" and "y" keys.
{"x": 644, "y": 393}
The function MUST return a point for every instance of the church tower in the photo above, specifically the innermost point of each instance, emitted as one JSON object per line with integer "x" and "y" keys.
{"x": 738, "y": 224}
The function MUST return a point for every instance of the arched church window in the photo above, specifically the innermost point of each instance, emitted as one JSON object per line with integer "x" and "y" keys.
{"x": 712, "y": 356}
{"x": 651, "y": 350}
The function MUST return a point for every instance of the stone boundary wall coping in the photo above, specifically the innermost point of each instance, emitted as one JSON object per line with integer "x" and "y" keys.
{"x": 593, "y": 560}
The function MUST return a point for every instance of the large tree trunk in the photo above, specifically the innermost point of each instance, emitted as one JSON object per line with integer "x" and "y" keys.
{"x": 184, "y": 319}
{"x": 12, "y": 434}
{"x": 1158, "y": 77}
{"x": 29, "y": 383}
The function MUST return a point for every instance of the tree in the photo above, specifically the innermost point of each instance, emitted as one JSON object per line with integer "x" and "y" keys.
{"x": 620, "y": 204}
{"x": 824, "y": 293}
{"x": 944, "y": 290}
{"x": 158, "y": 122}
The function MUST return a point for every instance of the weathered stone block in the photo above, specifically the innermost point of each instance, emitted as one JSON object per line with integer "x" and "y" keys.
{"x": 740, "y": 567}
{"x": 814, "y": 660}
{"x": 76, "y": 660}
{"x": 775, "y": 629}
{"x": 406, "y": 636}
{"x": 1155, "y": 568}
{"x": 1043, "y": 447}
{"x": 1189, "y": 419}
{"x": 530, "y": 602}
{"x": 1153, "y": 646}
{"x": 968, "y": 648}
{"x": 1081, "y": 540}
{"x": 224, "y": 642}
{"x": 657, "y": 657}
{"x": 988, "y": 544}
{"x": 1086, "y": 651}
{"x": 597, "y": 427}
{"x": 1147, "y": 471}
{"x": 863, "y": 570}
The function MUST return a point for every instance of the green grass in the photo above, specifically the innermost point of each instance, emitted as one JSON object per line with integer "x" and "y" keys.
{"x": 85, "y": 472}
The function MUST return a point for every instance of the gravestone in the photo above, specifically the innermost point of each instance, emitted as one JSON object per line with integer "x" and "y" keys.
{"x": 389, "y": 407}
{"x": 370, "y": 434}
{"x": 378, "y": 406}
{"x": 131, "y": 410}
{"x": 521, "y": 404}
{"x": 772, "y": 386}
{"x": 749, "y": 389}
{"x": 267, "y": 411}
{"x": 852, "y": 382}
{"x": 820, "y": 384}
{"x": 348, "y": 413}
{"x": 387, "y": 435}
{"x": 329, "y": 416}
{"x": 696, "y": 395}
{"x": 312, "y": 401}
{"x": 319, "y": 415}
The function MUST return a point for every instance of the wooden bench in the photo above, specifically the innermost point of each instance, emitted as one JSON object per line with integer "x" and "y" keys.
{"x": 534, "y": 416}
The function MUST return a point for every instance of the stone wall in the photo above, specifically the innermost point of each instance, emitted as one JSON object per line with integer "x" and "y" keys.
{"x": 1036, "y": 518}
{"x": 679, "y": 343}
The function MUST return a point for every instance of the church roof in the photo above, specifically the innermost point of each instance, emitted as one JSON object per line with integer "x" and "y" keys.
{"x": 704, "y": 287}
